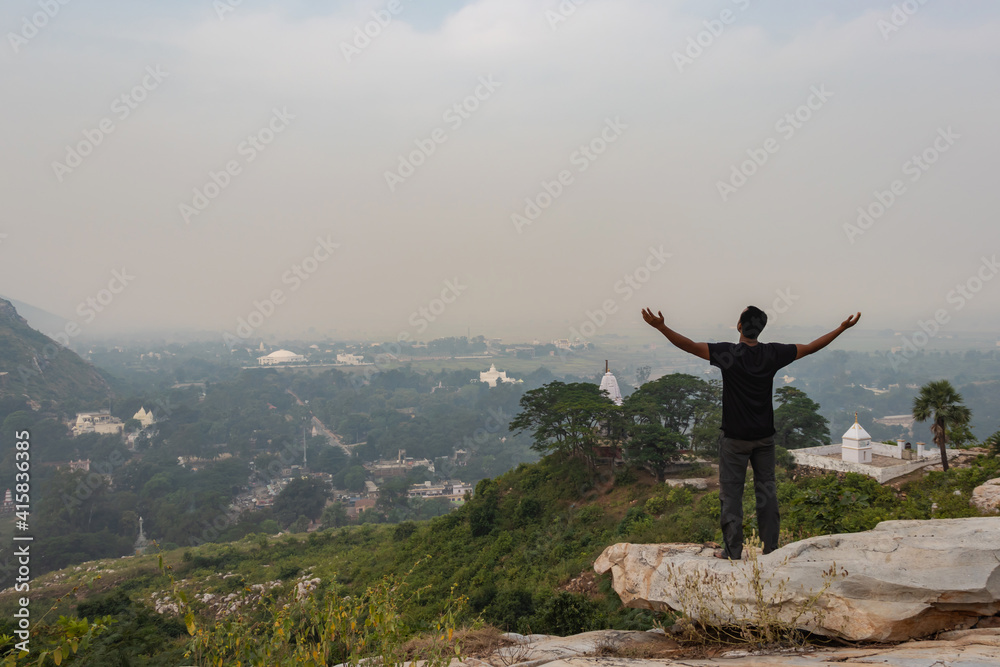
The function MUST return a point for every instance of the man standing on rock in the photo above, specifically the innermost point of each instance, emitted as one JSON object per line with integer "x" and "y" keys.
{"x": 748, "y": 368}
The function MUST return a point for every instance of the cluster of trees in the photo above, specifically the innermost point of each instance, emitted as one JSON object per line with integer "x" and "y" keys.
{"x": 680, "y": 412}
{"x": 655, "y": 423}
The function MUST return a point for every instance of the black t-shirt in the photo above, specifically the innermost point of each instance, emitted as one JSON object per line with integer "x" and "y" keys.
{"x": 747, "y": 384}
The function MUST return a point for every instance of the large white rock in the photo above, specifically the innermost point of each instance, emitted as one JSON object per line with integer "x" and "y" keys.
{"x": 902, "y": 580}
{"x": 986, "y": 498}
{"x": 622, "y": 648}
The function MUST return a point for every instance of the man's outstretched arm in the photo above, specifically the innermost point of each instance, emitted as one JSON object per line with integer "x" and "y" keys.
{"x": 683, "y": 342}
{"x": 826, "y": 339}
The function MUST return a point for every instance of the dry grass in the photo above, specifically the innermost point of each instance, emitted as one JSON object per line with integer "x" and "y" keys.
{"x": 479, "y": 643}
{"x": 653, "y": 647}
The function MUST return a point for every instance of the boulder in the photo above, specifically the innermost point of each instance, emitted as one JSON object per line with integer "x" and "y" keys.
{"x": 986, "y": 498}
{"x": 901, "y": 580}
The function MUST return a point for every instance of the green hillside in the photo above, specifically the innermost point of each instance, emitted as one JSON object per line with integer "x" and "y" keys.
{"x": 521, "y": 551}
{"x": 38, "y": 368}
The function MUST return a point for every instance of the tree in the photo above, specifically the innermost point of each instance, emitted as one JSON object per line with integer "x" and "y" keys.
{"x": 961, "y": 435}
{"x": 335, "y": 516}
{"x": 567, "y": 418}
{"x": 666, "y": 415}
{"x": 303, "y": 496}
{"x": 392, "y": 495}
{"x": 642, "y": 374}
{"x": 992, "y": 443}
{"x": 797, "y": 422}
{"x": 942, "y": 404}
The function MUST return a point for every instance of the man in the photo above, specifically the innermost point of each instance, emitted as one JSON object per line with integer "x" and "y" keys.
{"x": 748, "y": 369}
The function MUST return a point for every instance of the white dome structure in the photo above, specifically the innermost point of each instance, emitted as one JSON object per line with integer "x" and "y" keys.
{"x": 280, "y": 357}
{"x": 609, "y": 385}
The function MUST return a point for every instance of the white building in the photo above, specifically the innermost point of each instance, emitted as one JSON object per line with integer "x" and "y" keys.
{"x": 609, "y": 385}
{"x": 97, "y": 422}
{"x": 857, "y": 453}
{"x": 143, "y": 417}
{"x": 280, "y": 357}
{"x": 493, "y": 376}
{"x": 856, "y": 445}
{"x": 350, "y": 359}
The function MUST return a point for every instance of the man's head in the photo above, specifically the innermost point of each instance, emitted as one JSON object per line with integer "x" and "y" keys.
{"x": 752, "y": 322}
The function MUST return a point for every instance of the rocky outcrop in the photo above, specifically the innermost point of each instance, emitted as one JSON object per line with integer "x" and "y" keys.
{"x": 986, "y": 498}
{"x": 615, "y": 648}
{"x": 901, "y": 580}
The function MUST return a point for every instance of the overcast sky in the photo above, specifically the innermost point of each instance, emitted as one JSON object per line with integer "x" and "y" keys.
{"x": 715, "y": 153}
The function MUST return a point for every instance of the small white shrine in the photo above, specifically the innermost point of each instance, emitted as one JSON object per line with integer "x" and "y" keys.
{"x": 609, "y": 385}
{"x": 856, "y": 445}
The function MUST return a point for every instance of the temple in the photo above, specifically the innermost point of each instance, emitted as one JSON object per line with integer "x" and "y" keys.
{"x": 609, "y": 385}
{"x": 493, "y": 376}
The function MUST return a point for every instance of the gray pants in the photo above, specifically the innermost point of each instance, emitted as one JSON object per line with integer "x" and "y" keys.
{"x": 734, "y": 455}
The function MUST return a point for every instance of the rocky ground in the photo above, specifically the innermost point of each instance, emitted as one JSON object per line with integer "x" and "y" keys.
{"x": 613, "y": 648}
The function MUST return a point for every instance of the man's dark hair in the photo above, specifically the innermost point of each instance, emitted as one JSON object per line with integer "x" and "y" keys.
{"x": 752, "y": 322}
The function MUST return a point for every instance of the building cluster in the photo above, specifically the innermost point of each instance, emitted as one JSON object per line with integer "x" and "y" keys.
{"x": 398, "y": 467}
{"x": 879, "y": 460}
{"x": 104, "y": 423}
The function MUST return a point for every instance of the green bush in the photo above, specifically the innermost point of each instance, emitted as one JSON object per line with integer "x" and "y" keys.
{"x": 633, "y": 520}
{"x": 655, "y": 505}
{"x": 590, "y": 514}
{"x": 568, "y": 614}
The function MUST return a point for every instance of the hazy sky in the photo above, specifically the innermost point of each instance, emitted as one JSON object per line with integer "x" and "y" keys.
{"x": 716, "y": 153}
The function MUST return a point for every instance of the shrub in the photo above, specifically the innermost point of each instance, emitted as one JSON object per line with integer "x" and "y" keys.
{"x": 510, "y": 609}
{"x": 567, "y": 614}
{"x": 656, "y": 505}
{"x": 590, "y": 514}
{"x": 633, "y": 519}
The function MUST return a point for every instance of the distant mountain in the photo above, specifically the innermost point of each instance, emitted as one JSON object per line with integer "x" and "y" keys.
{"x": 38, "y": 319}
{"x": 35, "y": 366}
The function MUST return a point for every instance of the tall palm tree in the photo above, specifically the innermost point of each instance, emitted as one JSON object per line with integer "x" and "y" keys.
{"x": 939, "y": 402}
